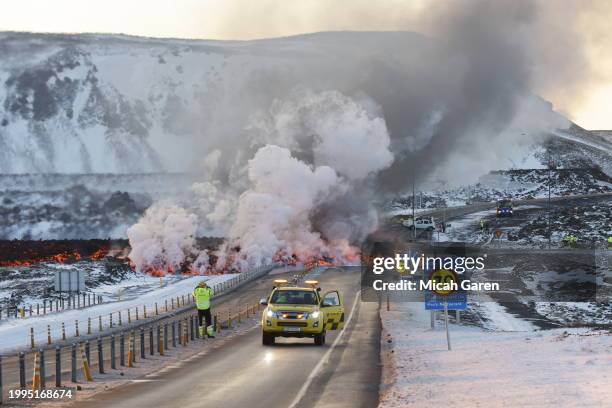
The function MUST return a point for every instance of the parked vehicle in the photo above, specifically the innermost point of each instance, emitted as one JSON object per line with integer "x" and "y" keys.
{"x": 421, "y": 223}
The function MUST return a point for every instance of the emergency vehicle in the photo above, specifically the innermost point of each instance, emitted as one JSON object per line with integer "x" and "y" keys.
{"x": 300, "y": 311}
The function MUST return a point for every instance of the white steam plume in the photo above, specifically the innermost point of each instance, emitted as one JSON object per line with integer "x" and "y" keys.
{"x": 310, "y": 156}
{"x": 163, "y": 239}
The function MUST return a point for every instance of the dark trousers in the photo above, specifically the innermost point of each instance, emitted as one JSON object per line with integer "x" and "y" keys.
{"x": 206, "y": 314}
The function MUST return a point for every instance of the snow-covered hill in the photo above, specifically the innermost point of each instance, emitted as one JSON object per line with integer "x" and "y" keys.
{"x": 117, "y": 104}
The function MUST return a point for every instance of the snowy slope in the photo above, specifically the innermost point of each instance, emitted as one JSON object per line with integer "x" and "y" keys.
{"x": 15, "y": 332}
{"x": 562, "y": 367}
{"x": 117, "y": 104}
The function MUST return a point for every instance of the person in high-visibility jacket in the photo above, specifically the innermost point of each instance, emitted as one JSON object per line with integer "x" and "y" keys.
{"x": 202, "y": 295}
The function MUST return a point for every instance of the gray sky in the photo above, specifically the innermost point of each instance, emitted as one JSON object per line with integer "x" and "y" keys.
{"x": 587, "y": 99}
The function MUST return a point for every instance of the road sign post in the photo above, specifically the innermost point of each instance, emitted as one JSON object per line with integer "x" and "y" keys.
{"x": 441, "y": 299}
{"x": 446, "y": 323}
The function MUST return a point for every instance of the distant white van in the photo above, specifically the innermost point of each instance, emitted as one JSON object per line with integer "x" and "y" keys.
{"x": 422, "y": 223}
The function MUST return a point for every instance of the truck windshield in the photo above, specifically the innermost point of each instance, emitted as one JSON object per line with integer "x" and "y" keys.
{"x": 504, "y": 203}
{"x": 294, "y": 297}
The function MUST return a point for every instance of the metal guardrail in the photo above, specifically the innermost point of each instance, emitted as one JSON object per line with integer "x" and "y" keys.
{"x": 71, "y": 302}
{"x": 162, "y": 332}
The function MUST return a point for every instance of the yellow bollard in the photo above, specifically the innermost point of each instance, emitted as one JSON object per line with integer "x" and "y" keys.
{"x": 36, "y": 374}
{"x": 22, "y": 312}
{"x": 130, "y": 351}
{"x": 86, "y": 371}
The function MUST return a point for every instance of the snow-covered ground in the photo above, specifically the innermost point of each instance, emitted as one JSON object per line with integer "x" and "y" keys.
{"x": 561, "y": 367}
{"x": 15, "y": 333}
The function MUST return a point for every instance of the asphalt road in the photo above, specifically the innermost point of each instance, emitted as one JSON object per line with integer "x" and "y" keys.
{"x": 294, "y": 372}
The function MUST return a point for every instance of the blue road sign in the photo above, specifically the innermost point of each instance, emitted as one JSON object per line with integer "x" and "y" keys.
{"x": 456, "y": 301}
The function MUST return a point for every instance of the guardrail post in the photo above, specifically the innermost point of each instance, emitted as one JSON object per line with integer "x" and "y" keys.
{"x": 217, "y": 326}
{"x": 89, "y": 325}
{"x": 129, "y": 316}
{"x": 142, "y": 343}
{"x": 100, "y": 356}
{"x": 63, "y": 331}
{"x": 166, "y": 336}
{"x": 191, "y": 327}
{"x": 166, "y": 305}
{"x": 180, "y": 332}
{"x": 144, "y": 311}
{"x": 58, "y": 366}
{"x": 22, "y": 381}
{"x": 120, "y": 322}
{"x": 89, "y": 299}
{"x": 112, "y": 352}
{"x": 31, "y": 337}
{"x": 151, "y": 346}
{"x": 76, "y": 328}
{"x": 174, "y": 333}
{"x": 196, "y": 327}
{"x": 111, "y": 320}
{"x": 156, "y": 311}
{"x": 122, "y": 350}
{"x": 41, "y": 367}
{"x": 136, "y": 313}
{"x": 44, "y": 306}
{"x": 48, "y": 334}
{"x": 73, "y": 362}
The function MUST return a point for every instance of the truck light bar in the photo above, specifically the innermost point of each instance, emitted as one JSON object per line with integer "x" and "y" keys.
{"x": 311, "y": 282}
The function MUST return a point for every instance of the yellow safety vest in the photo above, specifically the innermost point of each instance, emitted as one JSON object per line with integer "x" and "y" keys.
{"x": 202, "y": 297}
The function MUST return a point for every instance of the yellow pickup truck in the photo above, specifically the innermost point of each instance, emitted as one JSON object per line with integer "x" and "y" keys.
{"x": 296, "y": 311}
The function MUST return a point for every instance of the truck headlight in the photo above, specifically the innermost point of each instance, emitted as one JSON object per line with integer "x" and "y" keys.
{"x": 270, "y": 313}
{"x": 314, "y": 315}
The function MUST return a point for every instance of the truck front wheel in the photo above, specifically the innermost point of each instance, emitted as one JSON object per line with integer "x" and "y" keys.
{"x": 319, "y": 339}
{"x": 267, "y": 339}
